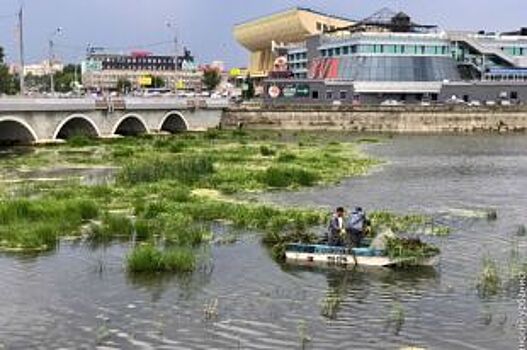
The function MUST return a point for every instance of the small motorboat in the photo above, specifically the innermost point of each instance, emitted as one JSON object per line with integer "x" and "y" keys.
{"x": 330, "y": 255}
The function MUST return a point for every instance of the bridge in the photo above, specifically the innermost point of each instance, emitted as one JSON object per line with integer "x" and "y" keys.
{"x": 46, "y": 120}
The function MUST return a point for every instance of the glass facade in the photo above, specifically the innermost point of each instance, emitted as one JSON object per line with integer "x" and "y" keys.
{"x": 387, "y": 49}
{"x": 404, "y": 68}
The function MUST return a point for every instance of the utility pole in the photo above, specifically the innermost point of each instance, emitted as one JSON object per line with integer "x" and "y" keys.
{"x": 50, "y": 63}
{"x": 21, "y": 47}
{"x": 51, "y": 58}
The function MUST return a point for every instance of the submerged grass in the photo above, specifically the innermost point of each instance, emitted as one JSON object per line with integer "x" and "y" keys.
{"x": 489, "y": 281}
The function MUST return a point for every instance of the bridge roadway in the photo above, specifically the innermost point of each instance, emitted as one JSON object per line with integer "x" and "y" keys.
{"x": 26, "y": 120}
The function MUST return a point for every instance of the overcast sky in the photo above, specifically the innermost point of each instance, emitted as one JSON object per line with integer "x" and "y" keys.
{"x": 205, "y": 26}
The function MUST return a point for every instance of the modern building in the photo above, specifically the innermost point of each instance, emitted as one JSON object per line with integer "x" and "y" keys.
{"x": 103, "y": 71}
{"x": 389, "y": 57}
{"x": 39, "y": 69}
{"x": 263, "y": 35}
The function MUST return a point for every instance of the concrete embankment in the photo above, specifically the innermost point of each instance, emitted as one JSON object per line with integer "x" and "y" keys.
{"x": 398, "y": 119}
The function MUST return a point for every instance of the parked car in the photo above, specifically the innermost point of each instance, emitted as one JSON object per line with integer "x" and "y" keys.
{"x": 392, "y": 103}
{"x": 474, "y": 103}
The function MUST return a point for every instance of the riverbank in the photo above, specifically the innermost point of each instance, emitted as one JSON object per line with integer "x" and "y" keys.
{"x": 382, "y": 119}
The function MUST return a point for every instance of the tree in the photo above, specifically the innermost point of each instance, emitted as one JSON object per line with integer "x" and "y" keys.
{"x": 211, "y": 78}
{"x": 64, "y": 81}
{"x": 8, "y": 81}
{"x": 248, "y": 88}
{"x": 157, "y": 82}
{"x": 124, "y": 85}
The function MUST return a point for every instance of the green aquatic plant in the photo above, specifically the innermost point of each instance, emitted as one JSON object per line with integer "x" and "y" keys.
{"x": 396, "y": 318}
{"x": 330, "y": 306}
{"x": 187, "y": 170}
{"x": 489, "y": 282}
{"x": 210, "y": 310}
{"x": 407, "y": 224}
{"x": 81, "y": 141}
{"x": 116, "y": 225}
{"x": 287, "y": 176}
{"x": 267, "y": 151}
{"x": 149, "y": 259}
{"x": 409, "y": 251}
{"x": 303, "y": 334}
{"x": 36, "y": 224}
{"x": 286, "y": 157}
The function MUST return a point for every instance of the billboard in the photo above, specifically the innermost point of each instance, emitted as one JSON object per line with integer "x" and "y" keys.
{"x": 145, "y": 80}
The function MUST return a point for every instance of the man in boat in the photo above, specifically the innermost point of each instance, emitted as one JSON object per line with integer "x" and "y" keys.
{"x": 336, "y": 229}
{"x": 356, "y": 227}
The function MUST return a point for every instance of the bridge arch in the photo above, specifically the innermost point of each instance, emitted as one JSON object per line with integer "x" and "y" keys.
{"x": 15, "y": 130}
{"x": 130, "y": 125}
{"x": 173, "y": 122}
{"x": 76, "y": 124}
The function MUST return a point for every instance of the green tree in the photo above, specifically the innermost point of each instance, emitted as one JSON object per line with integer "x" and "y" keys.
{"x": 211, "y": 78}
{"x": 8, "y": 81}
{"x": 157, "y": 82}
{"x": 65, "y": 80}
{"x": 124, "y": 85}
{"x": 248, "y": 88}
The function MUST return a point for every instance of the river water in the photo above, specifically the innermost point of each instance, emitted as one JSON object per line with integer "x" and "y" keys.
{"x": 80, "y": 297}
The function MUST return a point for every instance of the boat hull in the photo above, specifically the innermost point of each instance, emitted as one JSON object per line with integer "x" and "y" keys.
{"x": 374, "y": 260}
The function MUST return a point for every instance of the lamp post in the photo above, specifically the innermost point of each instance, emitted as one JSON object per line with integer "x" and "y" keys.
{"x": 56, "y": 32}
{"x": 171, "y": 26}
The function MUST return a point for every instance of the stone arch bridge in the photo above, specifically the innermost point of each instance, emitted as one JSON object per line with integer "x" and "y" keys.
{"x": 52, "y": 120}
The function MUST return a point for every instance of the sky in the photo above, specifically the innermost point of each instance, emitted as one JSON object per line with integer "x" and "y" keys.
{"x": 205, "y": 26}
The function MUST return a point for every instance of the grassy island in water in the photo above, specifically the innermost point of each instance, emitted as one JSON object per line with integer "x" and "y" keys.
{"x": 168, "y": 189}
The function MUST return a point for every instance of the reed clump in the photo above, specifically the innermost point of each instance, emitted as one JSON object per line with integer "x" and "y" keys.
{"x": 149, "y": 259}
{"x": 489, "y": 281}
{"x": 287, "y": 176}
{"x": 36, "y": 224}
{"x": 186, "y": 170}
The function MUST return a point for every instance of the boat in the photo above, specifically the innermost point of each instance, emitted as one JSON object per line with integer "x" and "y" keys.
{"x": 320, "y": 254}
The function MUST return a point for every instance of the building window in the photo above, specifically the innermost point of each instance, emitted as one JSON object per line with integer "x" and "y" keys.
{"x": 324, "y": 53}
{"x": 337, "y": 51}
{"x": 319, "y": 26}
{"x": 343, "y": 94}
{"x": 345, "y": 50}
{"x": 514, "y": 95}
{"x": 314, "y": 95}
{"x": 330, "y": 52}
{"x": 329, "y": 95}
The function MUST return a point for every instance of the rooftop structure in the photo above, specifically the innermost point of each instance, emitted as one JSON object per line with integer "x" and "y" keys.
{"x": 287, "y": 27}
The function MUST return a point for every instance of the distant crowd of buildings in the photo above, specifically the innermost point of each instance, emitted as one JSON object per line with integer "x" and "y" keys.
{"x": 105, "y": 72}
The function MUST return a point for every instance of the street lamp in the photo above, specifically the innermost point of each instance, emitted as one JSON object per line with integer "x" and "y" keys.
{"x": 56, "y": 32}
{"x": 171, "y": 26}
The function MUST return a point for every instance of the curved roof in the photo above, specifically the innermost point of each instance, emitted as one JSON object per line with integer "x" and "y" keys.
{"x": 290, "y": 26}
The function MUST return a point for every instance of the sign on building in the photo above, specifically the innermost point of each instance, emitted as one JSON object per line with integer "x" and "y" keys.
{"x": 145, "y": 80}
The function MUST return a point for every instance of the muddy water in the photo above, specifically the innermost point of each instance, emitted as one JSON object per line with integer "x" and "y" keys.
{"x": 81, "y": 297}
